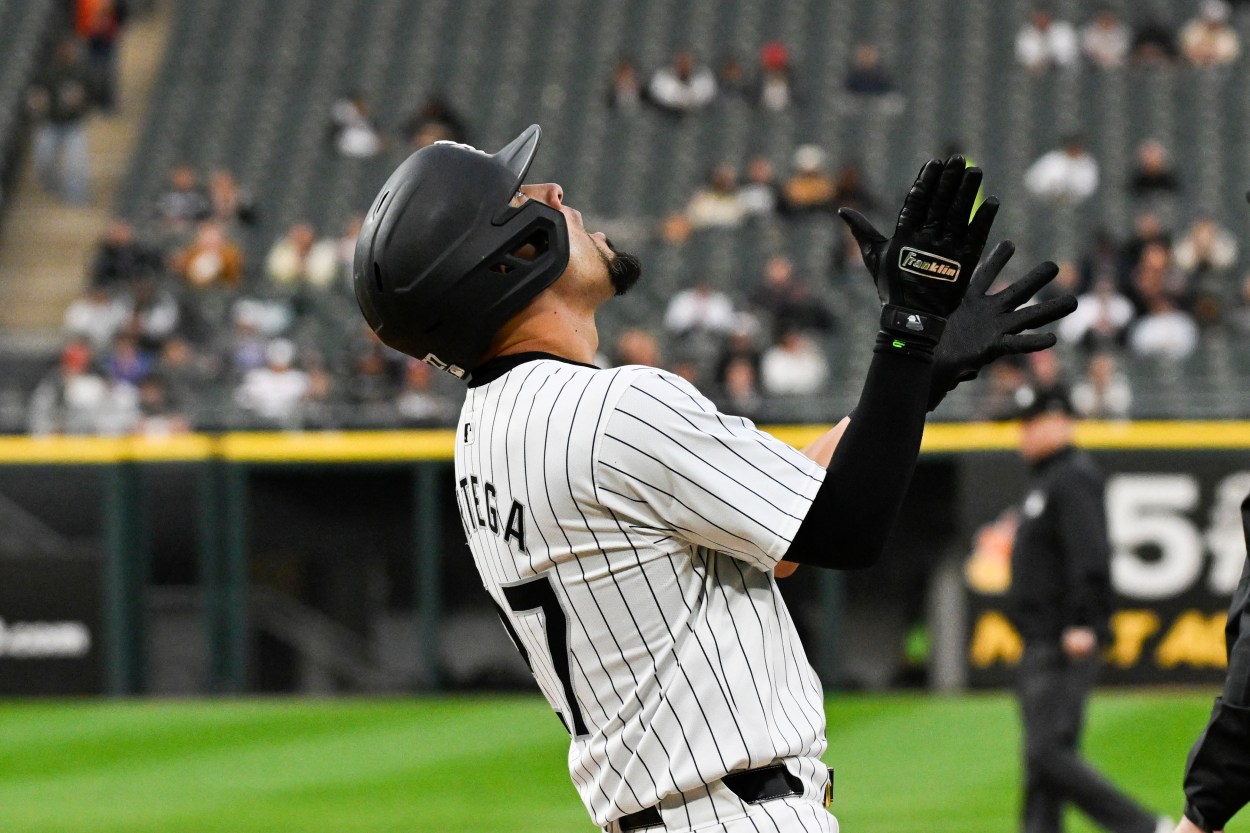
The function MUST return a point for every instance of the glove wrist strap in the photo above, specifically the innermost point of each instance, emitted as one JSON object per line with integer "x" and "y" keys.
{"x": 912, "y": 325}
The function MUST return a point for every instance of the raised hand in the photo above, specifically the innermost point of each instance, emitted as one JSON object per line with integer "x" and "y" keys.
{"x": 985, "y": 327}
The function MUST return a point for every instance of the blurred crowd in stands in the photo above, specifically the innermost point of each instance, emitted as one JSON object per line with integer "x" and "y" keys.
{"x": 176, "y": 331}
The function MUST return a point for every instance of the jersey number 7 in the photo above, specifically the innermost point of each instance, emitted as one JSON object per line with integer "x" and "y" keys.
{"x": 539, "y": 594}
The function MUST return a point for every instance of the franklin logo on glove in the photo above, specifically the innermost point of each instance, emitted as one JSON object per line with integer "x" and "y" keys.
{"x": 927, "y": 265}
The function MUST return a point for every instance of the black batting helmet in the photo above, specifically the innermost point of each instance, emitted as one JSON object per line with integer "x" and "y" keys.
{"x": 437, "y": 270}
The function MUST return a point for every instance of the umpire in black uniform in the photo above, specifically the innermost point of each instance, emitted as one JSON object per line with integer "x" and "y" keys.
{"x": 1060, "y": 601}
{"x": 1217, "y": 775}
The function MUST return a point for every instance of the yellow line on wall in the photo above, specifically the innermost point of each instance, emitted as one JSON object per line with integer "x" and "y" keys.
{"x": 412, "y": 446}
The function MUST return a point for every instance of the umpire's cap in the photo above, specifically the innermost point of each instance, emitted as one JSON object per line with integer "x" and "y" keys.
{"x": 437, "y": 270}
{"x": 1033, "y": 403}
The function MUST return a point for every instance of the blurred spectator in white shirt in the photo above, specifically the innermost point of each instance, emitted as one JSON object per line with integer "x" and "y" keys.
{"x": 1044, "y": 42}
{"x": 700, "y": 309}
{"x": 276, "y": 391}
{"x": 793, "y": 366}
{"x": 300, "y": 258}
{"x": 96, "y": 316}
{"x": 1209, "y": 40}
{"x": 352, "y": 128}
{"x": 775, "y": 88}
{"x": 716, "y": 204}
{"x": 1067, "y": 174}
{"x": 67, "y": 399}
{"x": 1100, "y": 319}
{"x": 1105, "y": 392}
{"x": 1106, "y": 40}
{"x": 759, "y": 194}
{"x": 682, "y": 87}
{"x": 1205, "y": 248}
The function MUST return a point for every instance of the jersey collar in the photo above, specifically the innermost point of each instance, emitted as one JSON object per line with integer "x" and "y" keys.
{"x": 496, "y": 367}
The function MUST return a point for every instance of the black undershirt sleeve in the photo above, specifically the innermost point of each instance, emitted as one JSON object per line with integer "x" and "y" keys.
{"x": 850, "y": 518}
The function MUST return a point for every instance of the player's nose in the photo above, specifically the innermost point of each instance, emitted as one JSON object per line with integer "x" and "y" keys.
{"x": 548, "y": 192}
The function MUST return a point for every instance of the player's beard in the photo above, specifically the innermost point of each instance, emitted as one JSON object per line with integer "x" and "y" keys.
{"x": 624, "y": 269}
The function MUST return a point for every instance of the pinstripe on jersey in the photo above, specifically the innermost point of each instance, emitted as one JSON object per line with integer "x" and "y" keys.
{"x": 621, "y": 502}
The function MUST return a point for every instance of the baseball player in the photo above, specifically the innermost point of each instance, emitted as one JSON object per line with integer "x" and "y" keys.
{"x": 627, "y": 531}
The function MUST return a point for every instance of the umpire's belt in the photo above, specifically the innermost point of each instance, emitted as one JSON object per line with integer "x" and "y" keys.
{"x": 751, "y": 785}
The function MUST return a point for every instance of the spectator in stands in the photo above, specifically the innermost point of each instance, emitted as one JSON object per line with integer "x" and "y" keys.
{"x": 793, "y": 366}
{"x": 810, "y": 188}
{"x": 99, "y": 24}
{"x": 211, "y": 259}
{"x": 1156, "y": 273}
{"x": 716, "y": 204}
{"x": 682, "y": 87}
{"x": 1102, "y": 262}
{"x": 760, "y": 195}
{"x": 851, "y": 191}
{"x": 120, "y": 259}
{"x": 1044, "y": 370}
{"x": 425, "y": 400}
{"x": 67, "y": 400}
{"x": 1209, "y": 40}
{"x": 788, "y": 302}
{"x": 1153, "y": 44}
{"x": 155, "y": 313}
{"x": 1163, "y": 329}
{"x": 59, "y": 102}
{"x": 1206, "y": 249}
{"x": 699, "y": 310}
{"x": 185, "y": 372}
{"x": 1239, "y": 316}
{"x": 184, "y": 203}
{"x": 1101, "y": 318}
{"x": 275, "y": 391}
{"x": 353, "y": 130}
{"x": 96, "y": 317}
{"x": 160, "y": 414}
{"x": 434, "y": 121}
{"x": 231, "y": 203}
{"x": 1007, "y": 383}
{"x": 1148, "y": 228}
{"x": 374, "y": 376}
{"x": 867, "y": 76}
{"x": 299, "y": 258}
{"x": 625, "y": 92}
{"x": 1106, "y": 40}
{"x": 1067, "y": 174}
{"x": 731, "y": 79}
{"x": 126, "y": 362}
{"x": 636, "y": 346}
{"x": 776, "y": 85}
{"x": 1152, "y": 172}
{"x": 1104, "y": 392}
{"x": 740, "y": 389}
{"x": 1044, "y": 42}
{"x": 740, "y": 345}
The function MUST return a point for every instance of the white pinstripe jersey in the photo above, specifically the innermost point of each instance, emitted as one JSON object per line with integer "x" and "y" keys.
{"x": 627, "y": 530}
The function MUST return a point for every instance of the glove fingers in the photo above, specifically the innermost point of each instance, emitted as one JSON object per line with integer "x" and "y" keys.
{"x": 985, "y": 275}
{"x": 948, "y": 183}
{"x": 916, "y": 204}
{"x": 979, "y": 228}
{"x": 1025, "y": 288}
{"x": 1027, "y": 343}
{"x": 961, "y": 208}
{"x": 1041, "y": 314}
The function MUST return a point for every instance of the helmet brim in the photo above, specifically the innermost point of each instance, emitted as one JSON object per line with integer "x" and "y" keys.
{"x": 519, "y": 153}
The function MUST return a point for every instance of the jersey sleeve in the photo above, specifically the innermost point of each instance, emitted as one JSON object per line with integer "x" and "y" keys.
{"x": 668, "y": 460}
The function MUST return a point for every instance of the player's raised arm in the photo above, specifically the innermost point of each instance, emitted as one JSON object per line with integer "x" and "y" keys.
{"x": 921, "y": 273}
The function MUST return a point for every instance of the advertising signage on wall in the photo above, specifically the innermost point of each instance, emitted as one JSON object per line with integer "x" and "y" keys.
{"x": 50, "y": 640}
{"x": 1177, "y": 552}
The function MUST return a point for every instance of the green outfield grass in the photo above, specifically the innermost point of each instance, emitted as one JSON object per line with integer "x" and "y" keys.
{"x": 905, "y": 763}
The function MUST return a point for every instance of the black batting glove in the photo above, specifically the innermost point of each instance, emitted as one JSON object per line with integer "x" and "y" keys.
{"x": 985, "y": 327}
{"x": 922, "y": 271}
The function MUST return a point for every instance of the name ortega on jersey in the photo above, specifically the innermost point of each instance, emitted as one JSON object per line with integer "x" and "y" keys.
{"x": 480, "y": 510}
{"x": 927, "y": 264}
